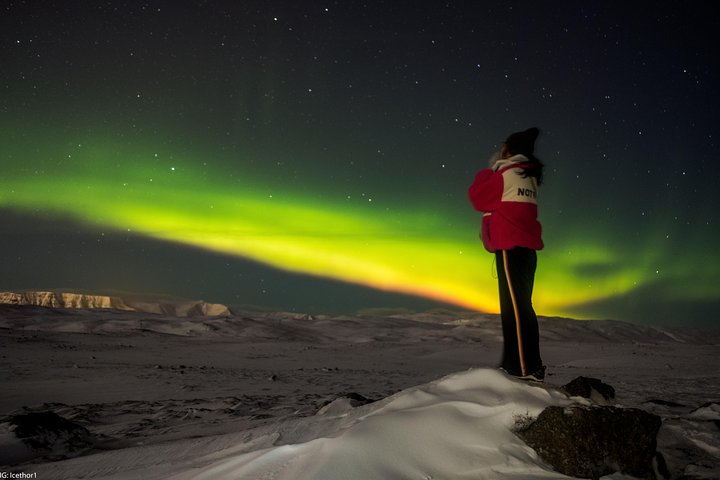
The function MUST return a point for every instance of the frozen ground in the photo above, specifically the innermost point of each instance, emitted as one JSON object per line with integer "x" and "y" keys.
{"x": 238, "y": 397}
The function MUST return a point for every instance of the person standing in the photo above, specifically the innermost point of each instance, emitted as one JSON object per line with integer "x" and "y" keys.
{"x": 507, "y": 195}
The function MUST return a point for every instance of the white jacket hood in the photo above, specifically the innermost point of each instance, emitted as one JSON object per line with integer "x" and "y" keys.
{"x": 505, "y": 162}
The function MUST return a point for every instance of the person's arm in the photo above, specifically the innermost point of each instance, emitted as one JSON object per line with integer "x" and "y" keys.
{"x": 486, "y": 191}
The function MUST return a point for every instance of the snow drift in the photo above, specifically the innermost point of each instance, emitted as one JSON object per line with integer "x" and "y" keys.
{"x": 459, "y": 427}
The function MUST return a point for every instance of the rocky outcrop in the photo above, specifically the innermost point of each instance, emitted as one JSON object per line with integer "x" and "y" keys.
{"x": 60, "y": 299}
{"x": 591, "y": 388}
{"x": 63, "y": 300}
{"x": 591, "y": 440}
{"x": 43, "y": 434}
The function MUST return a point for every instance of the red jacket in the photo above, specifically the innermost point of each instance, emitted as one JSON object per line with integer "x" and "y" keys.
{"x": 509, "y": 203}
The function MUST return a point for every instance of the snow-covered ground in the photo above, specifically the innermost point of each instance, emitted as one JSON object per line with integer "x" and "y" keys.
{"x": 267, "y": 395}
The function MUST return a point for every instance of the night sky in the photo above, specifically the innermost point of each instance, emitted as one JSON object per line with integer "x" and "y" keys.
{"x": 314, "y": 156}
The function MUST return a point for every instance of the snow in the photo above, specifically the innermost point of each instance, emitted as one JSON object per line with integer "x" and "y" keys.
{"x": 455, "y": 428}
{"x": 264, "y": 395}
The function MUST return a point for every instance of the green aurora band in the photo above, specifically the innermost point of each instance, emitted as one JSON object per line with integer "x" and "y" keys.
{"x": 408, "y": 250}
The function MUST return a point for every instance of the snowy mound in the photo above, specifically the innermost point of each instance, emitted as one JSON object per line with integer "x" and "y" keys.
{"x": 458, "y": 427}
{"x": 455, "y": 428}
{"x": 61, "y": 299}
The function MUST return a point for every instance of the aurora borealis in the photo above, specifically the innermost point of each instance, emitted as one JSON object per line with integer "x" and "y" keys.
{"x": 303, "y": 155}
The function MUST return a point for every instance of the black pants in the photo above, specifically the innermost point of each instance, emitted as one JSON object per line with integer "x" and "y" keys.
{"x": 516, "y": 276}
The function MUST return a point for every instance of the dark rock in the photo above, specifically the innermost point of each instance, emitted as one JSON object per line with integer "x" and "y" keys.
{"x": 357, "y": 400}
{"x": 591, "y": 388}
{"x": 589, "y": 442}
{"x": 43, "y": 430}
{"x": 665, "y": 403}
{"x": 46, "y": 434}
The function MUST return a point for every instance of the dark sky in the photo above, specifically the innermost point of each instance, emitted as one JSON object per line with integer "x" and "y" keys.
{"x": 315, "y": 156}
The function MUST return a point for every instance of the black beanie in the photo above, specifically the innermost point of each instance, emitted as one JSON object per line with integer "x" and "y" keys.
{"x": 523, "y": 143}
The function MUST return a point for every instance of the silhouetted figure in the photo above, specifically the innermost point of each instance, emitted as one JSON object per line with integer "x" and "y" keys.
{"x": 507, "y": 194}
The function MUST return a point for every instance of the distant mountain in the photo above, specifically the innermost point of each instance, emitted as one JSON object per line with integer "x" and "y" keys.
{"x": 132, "y": 303}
